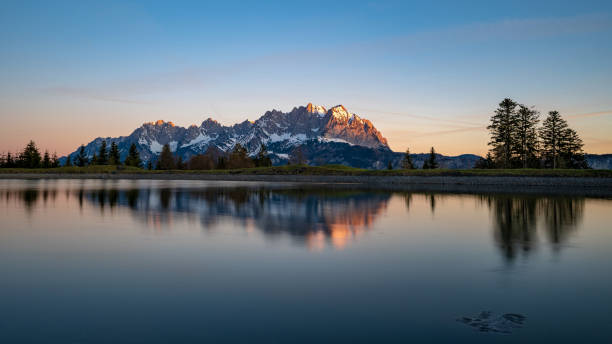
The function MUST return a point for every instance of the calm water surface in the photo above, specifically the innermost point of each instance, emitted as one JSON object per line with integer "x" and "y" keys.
{"x": 91, "y": 261}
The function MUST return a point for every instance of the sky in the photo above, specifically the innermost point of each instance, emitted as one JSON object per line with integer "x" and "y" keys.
{"x": 426, "y": 73}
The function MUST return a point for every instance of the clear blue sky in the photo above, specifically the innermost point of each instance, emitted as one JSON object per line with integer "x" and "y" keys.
{"x": 425, "y": 73}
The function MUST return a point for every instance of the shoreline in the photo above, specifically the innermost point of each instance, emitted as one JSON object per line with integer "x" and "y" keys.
{"x": 353, "y": 179}
{"x": 587, "y": 186}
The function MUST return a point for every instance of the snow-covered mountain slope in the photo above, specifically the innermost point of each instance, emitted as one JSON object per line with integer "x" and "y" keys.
{"x": 301, "y": 124}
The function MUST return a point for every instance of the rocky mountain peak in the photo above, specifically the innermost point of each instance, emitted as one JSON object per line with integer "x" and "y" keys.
{"x": 316, "y": 109}
{"x": 160, "y": 123}
{"x": 339, "y": 112}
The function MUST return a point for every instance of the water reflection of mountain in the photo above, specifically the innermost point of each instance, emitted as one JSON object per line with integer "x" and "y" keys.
{"x": 314, "y": 217}
{"x": 515, "y": 221}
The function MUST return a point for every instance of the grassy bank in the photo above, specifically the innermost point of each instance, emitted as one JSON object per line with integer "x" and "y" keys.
{"x": 333, "y": 170}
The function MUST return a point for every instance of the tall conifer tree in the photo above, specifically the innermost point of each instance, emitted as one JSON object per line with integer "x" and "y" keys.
{"x": 46, "y": 162}
{"x": 431, "y": 160}
{"x": 113, "y": 156}
{"x": 81, "y": 159}
{"x": 263, "y": 160}
{"x": 407, "y": 161}
{"x": 133, "y": 158}
{"x": 551, "y": 134}
{"x": 102, "y": 158}
{"x": 166, "y": 159}
{"x": 30, "y": 157}
{"x": 527, "y": 136}
{"x": 571, "y": 150}
{"x": 503, "y": 132}
{"x": 54, "y": 160}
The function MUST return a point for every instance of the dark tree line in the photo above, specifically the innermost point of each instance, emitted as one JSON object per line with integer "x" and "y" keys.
{"x": 517, "y": 142}
{"x": 214, "y": 159}
{"x": 29, "y": 157}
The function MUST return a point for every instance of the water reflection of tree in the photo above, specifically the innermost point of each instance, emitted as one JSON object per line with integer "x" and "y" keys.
{"x": 515, "y": 220}
{"x": 561, "y": 217}
{"x": 514, "y": 224}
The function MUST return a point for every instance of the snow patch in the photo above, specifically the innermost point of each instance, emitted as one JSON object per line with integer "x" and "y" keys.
{"x": 155, "y": 147}
{"x": 333, "y": 139}
{"x": 173, "y": 145}
{"x": 287, "y": 137}
{"x": 200, "y": 139}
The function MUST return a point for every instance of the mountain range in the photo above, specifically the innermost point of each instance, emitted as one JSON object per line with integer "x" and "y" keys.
{"x": 325, "y": 136}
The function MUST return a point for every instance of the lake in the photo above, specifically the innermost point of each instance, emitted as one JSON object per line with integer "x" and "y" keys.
{"x": 144, "y": 261}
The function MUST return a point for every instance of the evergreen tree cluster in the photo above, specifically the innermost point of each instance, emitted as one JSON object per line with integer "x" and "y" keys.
{"x": 517, "y": 142}
{"x": 105, "y": 156}
{"x": 406, "y": 162}
{"x": 431, "y": 163}
{"x": 29, "y": 157}
{"x": 237, "y": 158}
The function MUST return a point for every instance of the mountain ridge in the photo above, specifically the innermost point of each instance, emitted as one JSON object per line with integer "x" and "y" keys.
{"x": 284, "y": 131}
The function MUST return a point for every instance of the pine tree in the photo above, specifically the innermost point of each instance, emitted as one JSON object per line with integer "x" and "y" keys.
{"x": 526, "y": 135}
{"x": 239, "y": 158}
{"x": 54, "y": 160}
{"x": 551, "y": 134}
{"x": 102, "y": 158}
{"x": 81, "y": 159}
{"x": 114, "y": 158}
{"x": 180, "y": 165}
{"x": 407, "y": 161}
{"x": 149, "y": 165}
{"x": 425, "y": 164}
{"x": 431, "y": 160}
{"x": 571, "y": 150}
{"x": 30, "y": 157}
{"x": 46, "y": 162}
{"x": 389, "y": 165}
{"x": 485, "y": 163}
{"x": 263, "y": 160}
{"x": 221, "y": 164}
{"x": 133, "y": 158}
{"x": 503, "y": 132}
{"x": 166, "y": 159}
{"x": 297, "y": 157}
{"x": 9, "y": 162}
{"x": 68, "y": 162}
{"x": 94, "y": 160}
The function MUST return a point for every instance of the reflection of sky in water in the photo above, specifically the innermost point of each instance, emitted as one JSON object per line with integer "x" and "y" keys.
{"x": 196, "y": 261}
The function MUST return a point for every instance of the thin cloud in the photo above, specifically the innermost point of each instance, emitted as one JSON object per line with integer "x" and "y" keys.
{"x": 452, "y": 131}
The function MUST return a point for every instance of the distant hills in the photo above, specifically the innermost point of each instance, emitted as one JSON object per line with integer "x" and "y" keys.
{"x": 325, "y": 136}
{"x": 599, "y": 161}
